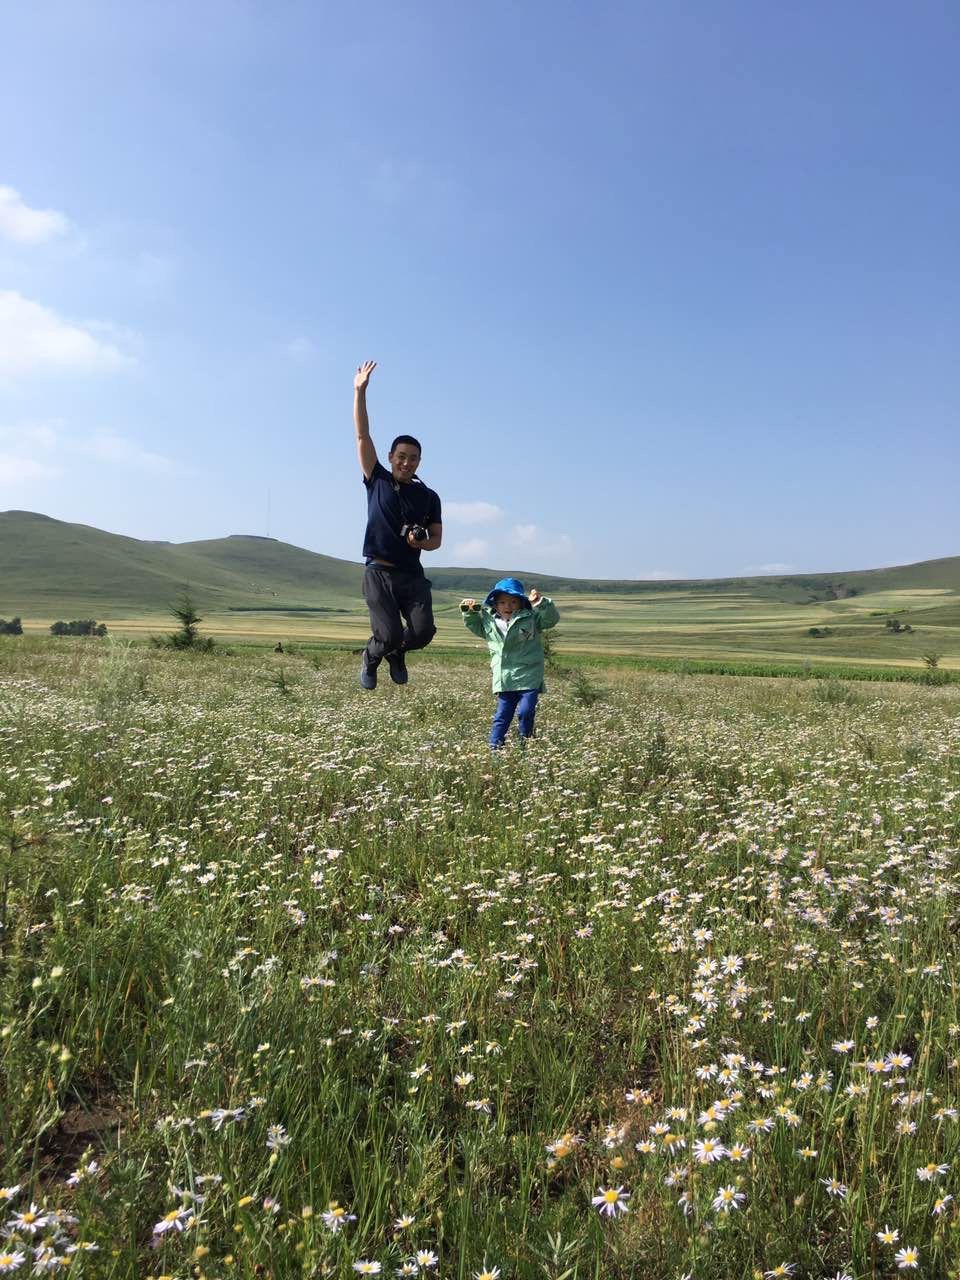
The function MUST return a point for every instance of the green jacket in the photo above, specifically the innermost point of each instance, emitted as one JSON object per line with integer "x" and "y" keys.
{"x": 516, "y": 659}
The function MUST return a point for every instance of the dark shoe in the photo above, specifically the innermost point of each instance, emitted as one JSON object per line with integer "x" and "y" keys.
{"x": 398, "y": 667}
{"x": 368, "y": 671}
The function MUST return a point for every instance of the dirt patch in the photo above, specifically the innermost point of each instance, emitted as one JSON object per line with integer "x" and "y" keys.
{"x": 80, "y": 1129}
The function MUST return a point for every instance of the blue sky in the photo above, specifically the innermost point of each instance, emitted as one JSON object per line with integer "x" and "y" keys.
{"x": 665, "y": 290}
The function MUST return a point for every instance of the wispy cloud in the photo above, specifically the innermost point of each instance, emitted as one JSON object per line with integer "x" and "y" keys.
{"x": 531, "y": 537}
{"x": 153, "y": 273}
{"x": 17, "y": 471}
{"x": 774, "y": 567}
{"x": 27, "y": 452}
{"x": 108, "y": 447}
{"x": 35, "y": 340}
{"x": 656, "y": 575}
{"x": 23, "y": 225}
{"x": 472, "y": 512}
{"x": 301, "y": 349}
{"x": 40, "y": 451}
{"x": 472, "y": 552}
{"x": 498, "y": 544}
{"x": 29, "y": 437}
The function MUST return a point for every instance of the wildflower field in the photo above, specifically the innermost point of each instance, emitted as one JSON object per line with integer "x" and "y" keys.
{"x": 297, "y": 980}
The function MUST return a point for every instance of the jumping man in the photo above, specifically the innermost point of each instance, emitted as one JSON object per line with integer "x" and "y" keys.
{"x": 403, "y": 519}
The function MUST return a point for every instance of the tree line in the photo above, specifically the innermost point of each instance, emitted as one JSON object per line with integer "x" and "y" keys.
{"x": 78, "y": 627}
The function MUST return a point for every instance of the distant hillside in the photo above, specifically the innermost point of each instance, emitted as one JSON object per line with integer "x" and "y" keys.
{"x": 48, "y": 564}
{"x": 49, "y": 567}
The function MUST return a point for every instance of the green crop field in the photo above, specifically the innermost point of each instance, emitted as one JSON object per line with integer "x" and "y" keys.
{"x": 731, "y": 627}
{"x": 259, "y": 591}
{"x": 300, "y": 981}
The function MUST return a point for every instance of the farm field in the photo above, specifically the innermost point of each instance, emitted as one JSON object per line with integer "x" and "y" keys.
{"x": 733, "y": 625}
{"x": 299, "y": 981}
{"x": 253, "y": 590}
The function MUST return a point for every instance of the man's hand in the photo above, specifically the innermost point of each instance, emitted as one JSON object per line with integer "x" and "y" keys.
{"x": 432, "y": 542}
{"x": 363, "y": 375}
{"x": 534, "y": 596}
{"x": 365, "y": 449}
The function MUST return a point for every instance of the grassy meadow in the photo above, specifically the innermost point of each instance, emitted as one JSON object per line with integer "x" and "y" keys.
{"x": 730, "y": 625}
{"x": 256, "y": 591}
{"x": 299, "y": 981}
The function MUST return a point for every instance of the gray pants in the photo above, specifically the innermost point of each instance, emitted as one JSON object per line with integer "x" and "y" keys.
{"x": 394, "y": 597}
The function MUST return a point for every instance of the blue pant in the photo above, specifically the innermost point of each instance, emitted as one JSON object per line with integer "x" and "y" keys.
{"x": 521, "y": 701}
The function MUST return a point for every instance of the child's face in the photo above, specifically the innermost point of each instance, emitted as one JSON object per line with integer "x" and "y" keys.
{"x": 506, "y": 605}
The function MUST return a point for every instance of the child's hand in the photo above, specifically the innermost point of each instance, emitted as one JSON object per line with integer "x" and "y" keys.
{"x": 469, "y": 603}
{"x": 534, "y": 596}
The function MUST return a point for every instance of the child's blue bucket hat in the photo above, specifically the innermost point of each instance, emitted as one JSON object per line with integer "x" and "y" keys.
{"x": 509, "y": 587}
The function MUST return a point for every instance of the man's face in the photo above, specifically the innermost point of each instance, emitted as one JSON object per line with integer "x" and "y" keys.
{"x": 404, "y": 462}
{"x": 506, "y": 606}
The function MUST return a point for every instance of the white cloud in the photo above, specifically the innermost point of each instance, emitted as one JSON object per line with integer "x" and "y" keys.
{"x": 301, "y": 349}
{"x": 23, "y": 225}
{"x": 25, "y": 453}
{"x": 657, "y": 575}
{"x": 153, "y": 273}
{"x": 775, "y": 567}
{"x": 526, "y": 547}
{"x": 34, "y": 339}
{"x": 532, "y": 537}
{"x": 472, "y": 549}
{"x": 524, "y": 535}
{"x": 106, "y": 446}
{"x": 472, "y": 512}
{"x": 29, "y": 437}
{"x": 17, "y": 471}
{"x": 39, "y": 451}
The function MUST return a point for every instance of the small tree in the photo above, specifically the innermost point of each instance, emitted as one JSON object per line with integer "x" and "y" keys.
{"x": 933, "y": 673}
{"x": 12, "y": 628}
{"x": 79, "y": 627}
{"x": 549, "y": 649}
{"x": 187, "y": 636}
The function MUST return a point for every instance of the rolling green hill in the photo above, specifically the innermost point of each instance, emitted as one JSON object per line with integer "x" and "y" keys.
{"x": 48, "y": 564}
{"x": 260, "y": 589}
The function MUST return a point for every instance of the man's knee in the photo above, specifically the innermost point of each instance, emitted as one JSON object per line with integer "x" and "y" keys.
{"x": 420, "y": 635}
{"x": 387, "y": 636}
{"x": 391, "y": 637}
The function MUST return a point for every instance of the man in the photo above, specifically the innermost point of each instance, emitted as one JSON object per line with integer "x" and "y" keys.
{"x": 403, "y": 519}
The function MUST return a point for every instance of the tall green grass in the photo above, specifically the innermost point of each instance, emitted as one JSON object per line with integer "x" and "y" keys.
{"x": 271, "y": 943}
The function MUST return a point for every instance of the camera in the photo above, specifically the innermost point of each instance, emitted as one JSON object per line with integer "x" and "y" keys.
{"x": 420, "y": 534}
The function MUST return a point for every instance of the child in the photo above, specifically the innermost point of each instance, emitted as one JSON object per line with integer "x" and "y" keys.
{"x": 511, "y": 624}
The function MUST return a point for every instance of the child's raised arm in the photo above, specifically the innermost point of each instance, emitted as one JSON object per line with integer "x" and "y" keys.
{"x": 545, "y": 612}
{"x": 472, "y": 617}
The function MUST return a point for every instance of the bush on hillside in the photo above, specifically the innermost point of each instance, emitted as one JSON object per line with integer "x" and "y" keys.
{"x": 12, "y": 628}
{"x": 187, "y": 635}
{"x": 79, "y": 627}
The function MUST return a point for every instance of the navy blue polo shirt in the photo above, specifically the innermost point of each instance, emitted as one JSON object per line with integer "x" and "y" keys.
{"x": 390, "y": 505}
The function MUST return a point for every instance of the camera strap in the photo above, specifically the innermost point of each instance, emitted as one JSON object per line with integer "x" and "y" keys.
{"x": 405, "y": 515}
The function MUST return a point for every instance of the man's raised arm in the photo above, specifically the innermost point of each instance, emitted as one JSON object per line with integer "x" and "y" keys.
{"x": 365, "y": 450}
